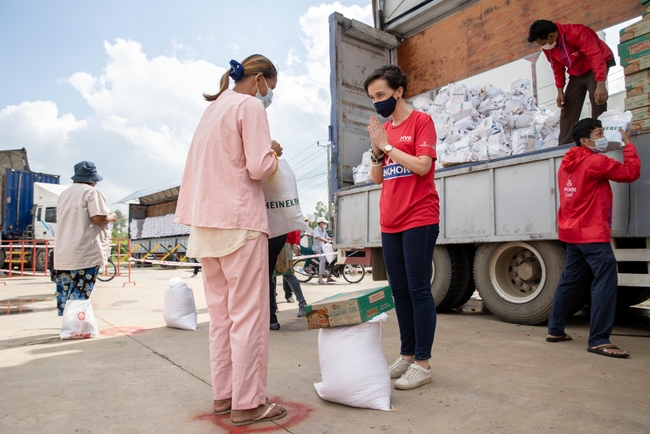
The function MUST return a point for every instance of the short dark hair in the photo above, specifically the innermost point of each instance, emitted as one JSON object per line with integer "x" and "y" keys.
{"x": 583, "y": 129}
{"x": 540, "y": 29}
{"x": 393, "y": 75}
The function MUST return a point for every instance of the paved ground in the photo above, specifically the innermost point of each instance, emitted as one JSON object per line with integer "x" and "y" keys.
{"x": 142, "y": 377}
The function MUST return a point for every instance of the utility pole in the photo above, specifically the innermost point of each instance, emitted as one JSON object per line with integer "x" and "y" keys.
{"x": 329, "y": 183}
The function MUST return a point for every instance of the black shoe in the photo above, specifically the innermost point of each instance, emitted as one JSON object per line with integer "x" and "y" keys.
{"x": 275, "y": 326}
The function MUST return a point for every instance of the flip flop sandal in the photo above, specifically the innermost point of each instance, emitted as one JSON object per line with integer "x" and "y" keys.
{"x": 222, "y": 412}
{"x": 602, "y": 351}
{"x": 263, "y": 417}
{"x": 564, "y": 337}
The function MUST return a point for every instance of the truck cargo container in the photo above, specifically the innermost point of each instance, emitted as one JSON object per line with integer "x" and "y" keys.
{"x": 498, "y": 218}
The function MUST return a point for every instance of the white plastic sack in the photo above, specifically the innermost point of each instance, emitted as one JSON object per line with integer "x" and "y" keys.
{"x": 458, "y": 95}
{"x": 422, "y": 104}
{"x": 612, "y": 120}
{"x": 465, "y": 155}
{"x": 515, "y": 107}
{"x": 439, "y": 104}
{"x": 521, "y": 121}
{"x": 79, "y": 320}
{"x": 330, "y": 254}
{"x": 492, "y": 151}
{"x": 353, "y": 368}
{"x": 179, "y": 311}
{"x": 524, "y": 140}
{"x": 282, "y": 203}
{"x": 462, "y": 110}
{"x": 361, "y": 173}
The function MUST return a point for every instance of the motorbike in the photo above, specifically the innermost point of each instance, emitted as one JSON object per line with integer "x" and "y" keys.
{"x": 352, "y": 273}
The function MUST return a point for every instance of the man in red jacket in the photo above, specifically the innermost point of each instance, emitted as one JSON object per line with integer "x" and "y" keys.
{"x": 585, "y": 224}
{"x": 577, "y": 50}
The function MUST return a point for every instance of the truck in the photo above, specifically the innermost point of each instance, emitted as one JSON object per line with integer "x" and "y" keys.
{"x": 27, "y": 211}
{"x": 498, "y": 218}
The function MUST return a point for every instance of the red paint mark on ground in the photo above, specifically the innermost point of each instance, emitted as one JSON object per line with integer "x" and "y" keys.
{"x": 121, "y": 331}
{"x": 296, "y": 413}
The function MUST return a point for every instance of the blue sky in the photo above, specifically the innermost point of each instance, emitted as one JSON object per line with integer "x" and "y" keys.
{"x": 120, "y": 82}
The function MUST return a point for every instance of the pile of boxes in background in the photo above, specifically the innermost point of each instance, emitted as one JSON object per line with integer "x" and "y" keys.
{"x": 634, "y": 51}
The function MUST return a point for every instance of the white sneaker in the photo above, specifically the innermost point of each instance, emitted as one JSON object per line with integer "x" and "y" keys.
{"x": 398, "y": 368}
{"x": 414, "y": 377}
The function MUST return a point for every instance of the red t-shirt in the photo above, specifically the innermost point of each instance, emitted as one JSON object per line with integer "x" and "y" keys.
{"x": 408, "y": 200}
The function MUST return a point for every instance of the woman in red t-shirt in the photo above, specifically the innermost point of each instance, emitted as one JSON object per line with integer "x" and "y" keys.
{"x": 403, "y": 151}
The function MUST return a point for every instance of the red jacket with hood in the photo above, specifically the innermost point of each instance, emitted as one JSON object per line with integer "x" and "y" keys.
{"x": 585, "y": 214}
{"x": 578, "y": 51}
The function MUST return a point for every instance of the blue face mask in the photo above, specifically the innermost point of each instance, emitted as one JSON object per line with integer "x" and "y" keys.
{"x": 600, "y": 145}
{"x": 387, "y": 107}
{"x": 266, "y": 99}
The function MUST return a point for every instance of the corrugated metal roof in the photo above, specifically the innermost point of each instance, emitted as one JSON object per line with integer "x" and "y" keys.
{"x": 154, "y": 195}
{"x": 405, "y": 18}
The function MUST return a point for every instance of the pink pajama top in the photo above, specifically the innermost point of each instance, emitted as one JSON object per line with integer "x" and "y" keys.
{"x": 229, "y": 156}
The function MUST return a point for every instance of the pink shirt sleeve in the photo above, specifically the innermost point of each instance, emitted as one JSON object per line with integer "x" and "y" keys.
{"x": 256, "y": 139}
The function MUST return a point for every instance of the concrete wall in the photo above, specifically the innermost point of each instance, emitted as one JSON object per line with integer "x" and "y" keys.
{"x": 491, "y": 33}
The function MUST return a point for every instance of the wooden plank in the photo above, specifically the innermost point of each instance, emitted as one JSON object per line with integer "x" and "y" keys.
{"x": 491, "y": 33}
{"x": 161, "y": 209}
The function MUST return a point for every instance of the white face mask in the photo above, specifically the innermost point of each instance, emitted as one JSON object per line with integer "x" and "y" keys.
{"x": 266, "y": 99}
{"x": 549, "y": 46}
{"x": 600, "y": 145}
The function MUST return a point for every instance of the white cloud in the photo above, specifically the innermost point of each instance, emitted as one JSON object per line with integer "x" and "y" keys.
{"x": 36, "y": 123}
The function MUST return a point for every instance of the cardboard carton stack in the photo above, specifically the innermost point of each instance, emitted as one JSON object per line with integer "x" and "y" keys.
{"x": 634, "y": 51}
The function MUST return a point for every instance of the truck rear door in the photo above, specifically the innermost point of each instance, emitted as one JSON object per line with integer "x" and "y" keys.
{"x": 356, "y": 49}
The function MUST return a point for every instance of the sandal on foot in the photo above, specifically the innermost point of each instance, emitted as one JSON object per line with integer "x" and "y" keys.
{"x": 222, "y": 412}
{"x": 263, "y": 417}
{"x": 564, "y": 337}
{"x": 602, "y": 350}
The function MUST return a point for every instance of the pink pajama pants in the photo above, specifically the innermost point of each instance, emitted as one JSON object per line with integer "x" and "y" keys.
{"x": 237, "y": 294}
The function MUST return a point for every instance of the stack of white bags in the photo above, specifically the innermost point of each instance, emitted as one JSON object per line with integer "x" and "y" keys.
{"x": 156, "y": 227}
{"x": 485, "y": 122}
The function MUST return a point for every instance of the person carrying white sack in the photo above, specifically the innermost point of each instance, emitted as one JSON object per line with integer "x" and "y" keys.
{"x": 222, "y": 199}
{"x": 321, "y": 238}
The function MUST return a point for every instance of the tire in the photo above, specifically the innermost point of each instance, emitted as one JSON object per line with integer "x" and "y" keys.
{"x": 299, "y": 271}
{"x": 353, "y": 273}
{"x": 468, "y": 251}
{"x": 107, "y": 272}
{"x": 39, "y": 263}
{"x": 445, "y": 276}
{"x": 630, "y": 296}
{"x": 517, "y": 280}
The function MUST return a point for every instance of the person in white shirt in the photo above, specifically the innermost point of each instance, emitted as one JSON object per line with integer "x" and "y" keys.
{"x": 82, "y": 237}
{"x": 321, "y": 238}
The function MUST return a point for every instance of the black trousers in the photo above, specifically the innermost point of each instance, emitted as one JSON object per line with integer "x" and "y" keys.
{"x": 275, "y": 247}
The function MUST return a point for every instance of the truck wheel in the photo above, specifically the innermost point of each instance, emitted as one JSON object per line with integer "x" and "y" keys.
{"x": 445, "y": 276}
{"x": 468, "y": 251}
{"x": 40, "y": 260}
{"x": 517, "y": 280}
{"x": 630, "y": 296}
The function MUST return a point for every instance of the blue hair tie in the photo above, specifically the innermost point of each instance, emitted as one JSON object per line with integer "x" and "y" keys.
{"x": 236, "y": 70}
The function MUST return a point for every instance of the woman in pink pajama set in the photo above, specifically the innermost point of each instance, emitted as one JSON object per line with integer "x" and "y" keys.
{"x": 221, "y": 199}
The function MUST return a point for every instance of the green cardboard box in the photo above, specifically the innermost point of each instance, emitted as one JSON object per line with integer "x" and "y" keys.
{"x": 637, "y": 65}
{"x": 639, "y": 79}
{"x": 349, "y": 308}
{"x": 635, "y": 30}
{"x": 633, "y": 49}
{"x": 643, "y": 124}
{"x": 639, "y": 114}
{"x": 633, "y": 102}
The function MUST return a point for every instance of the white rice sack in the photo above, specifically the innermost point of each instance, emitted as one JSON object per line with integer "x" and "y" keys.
{"x": 465, "y": 124}
{"x": 422, "y": 104}
{"x": 553, "y": 143}
{"x": 439, "y": 103}
{"x": 479, "y": 91}
{"x": 514, "y": 106}
{"x": 361, "y": 173}
{"x": 612, "y": 120}
{"x": 520, "y": 87}
{"x": 179, "y": 310}
{"x": 453, "y": 136}
{"x": 458, "y": 95}
{"x": 553, "y": 121}
{"x": 492, "y": 151}
{"x": 493, "y": 91}
{"x": 486, "y": 127}
{"x": 465, "y": 142}
{"x": 443, "y": 125}
{"x": 523, "y": 140}
{"x": 521, "y": 121}
{"x": 463, "y": 156}
{"x": 462, "y": 110}
{"x": 353, "y": 368}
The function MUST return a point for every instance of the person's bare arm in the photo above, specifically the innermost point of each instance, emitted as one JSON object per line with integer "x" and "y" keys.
{"x": 103, "y": 220}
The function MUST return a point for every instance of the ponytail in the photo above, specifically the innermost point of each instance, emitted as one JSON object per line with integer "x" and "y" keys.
{"x": 223, "y": 86}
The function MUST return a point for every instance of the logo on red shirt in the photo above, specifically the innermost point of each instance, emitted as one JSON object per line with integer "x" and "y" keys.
{"x": 569, "y": 190}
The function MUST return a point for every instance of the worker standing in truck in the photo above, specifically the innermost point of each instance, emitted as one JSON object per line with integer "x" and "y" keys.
{"x": 577, "y": 50}
{"x": 585, "y": 224}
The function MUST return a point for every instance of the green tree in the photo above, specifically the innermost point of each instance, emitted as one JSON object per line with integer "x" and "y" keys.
{"x": 119, "y": 227}
{"x": 321, "y": 211}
